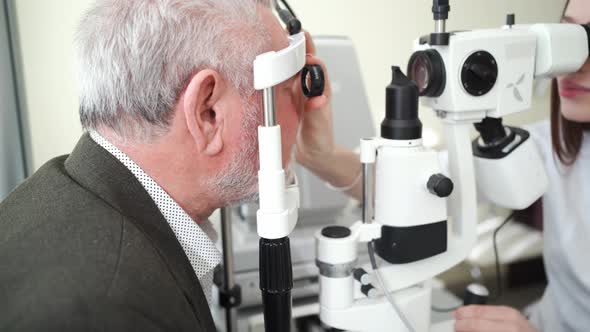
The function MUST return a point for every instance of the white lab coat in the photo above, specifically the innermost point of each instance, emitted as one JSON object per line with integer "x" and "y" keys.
{"x": 565, "y": 306}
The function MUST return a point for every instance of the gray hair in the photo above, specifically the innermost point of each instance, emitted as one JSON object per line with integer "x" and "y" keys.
{"x": 135, "y": 57}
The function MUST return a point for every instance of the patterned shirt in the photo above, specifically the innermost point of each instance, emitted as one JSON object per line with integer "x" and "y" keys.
{"x": 197, "y": 240}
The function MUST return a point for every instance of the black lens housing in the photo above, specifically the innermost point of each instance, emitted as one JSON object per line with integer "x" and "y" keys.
{"x": 479, "y": 73}
{"x": 401, "y": 120}
{"x": 433, "y": 64}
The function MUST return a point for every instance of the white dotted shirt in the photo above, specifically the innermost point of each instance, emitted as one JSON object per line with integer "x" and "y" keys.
{"x": 197, "y": 240}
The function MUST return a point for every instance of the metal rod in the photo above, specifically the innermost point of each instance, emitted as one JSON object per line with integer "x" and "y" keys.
{"x": 440, "y": 26}
{"x": 269, "y": 107}
{"x": 367, "y": 193}
{"x": 289, "y": 8}
{"x": 231, "y": 316}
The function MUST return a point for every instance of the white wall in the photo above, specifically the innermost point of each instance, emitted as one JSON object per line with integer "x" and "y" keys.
{"x": 383, "y": 31}
{"x": 45, "y": 34}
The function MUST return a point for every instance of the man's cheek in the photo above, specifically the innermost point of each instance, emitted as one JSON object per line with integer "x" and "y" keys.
{"x": 299, "y": 103}
{"x": 288, "y": 136}
{"x": 293, "y": 128}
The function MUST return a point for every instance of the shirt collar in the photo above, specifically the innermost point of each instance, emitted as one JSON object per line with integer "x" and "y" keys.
{"x": 196, "y": 241}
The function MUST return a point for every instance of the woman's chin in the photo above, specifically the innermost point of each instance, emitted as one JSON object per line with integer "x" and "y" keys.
{"x": 582, "y": 115}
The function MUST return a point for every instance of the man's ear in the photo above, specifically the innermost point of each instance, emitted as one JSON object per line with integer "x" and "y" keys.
{"x": 200, "y": 102}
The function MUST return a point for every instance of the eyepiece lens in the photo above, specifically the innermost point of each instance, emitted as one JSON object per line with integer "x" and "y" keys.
{"x": 427, "y": 70}
{"x": 420, "y": 73}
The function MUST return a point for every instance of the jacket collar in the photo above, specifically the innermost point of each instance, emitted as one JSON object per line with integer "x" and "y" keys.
{"x": 100, "y": 172}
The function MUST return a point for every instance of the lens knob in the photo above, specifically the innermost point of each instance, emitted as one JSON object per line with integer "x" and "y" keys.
{"x": 476, "y": 294}
{"x": 479, "y": 73}
{"x": 440, "y": 185}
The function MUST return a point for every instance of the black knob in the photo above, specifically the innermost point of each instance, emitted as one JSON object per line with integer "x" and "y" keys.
{"x": 479, "y": 73}
{"x": 336, "y": 232}
{"x": 294, "y": 26}
{"x": 369, "y": 291}
{"x": 312, "y": 80}
{"x": 292, "y": 23}
{"x": 510, "y": 20}
{"x": 476, "y": 294}
{"x": 361, "y": 276}
{"x": 440, "y": 185}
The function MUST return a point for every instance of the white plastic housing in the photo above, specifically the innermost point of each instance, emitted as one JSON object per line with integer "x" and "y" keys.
{"x": 377, "y": 315}
{"x": 337, "y": 293}
{"x": 336, "y": 251}
{"x": 514, "y": 51}
{"x": 277, "y": 214}
{"x": 515, "y": 181}
{"x": 462, "y": 211}
{"x": 275, "y": 67}
{"x": 522, "y": 53}
{"x": 561, "y": 49}
{"x": 271, "y": 174}
{"x": 368, "y": 150}
{"x": 401, "y": 196}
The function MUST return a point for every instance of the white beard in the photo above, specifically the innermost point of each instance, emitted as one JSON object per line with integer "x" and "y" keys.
{"x": 238, "y": 182}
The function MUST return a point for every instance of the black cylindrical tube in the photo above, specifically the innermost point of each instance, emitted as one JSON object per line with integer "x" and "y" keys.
{"x": 491, "y": 129}
{"x": 441, "y": 9}
{"x": 277, "y": 311}
{"x": 476, "y": 294}
{"x": 293, "y": 24}
{"x": 401, "y": 109}
{"x": 276, "y": 282}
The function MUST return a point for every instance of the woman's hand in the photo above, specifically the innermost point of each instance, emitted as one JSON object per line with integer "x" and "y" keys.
{"x": 315, "y": 139}
{"x": 486, "y": 318}
{"x": 315, "y": 148}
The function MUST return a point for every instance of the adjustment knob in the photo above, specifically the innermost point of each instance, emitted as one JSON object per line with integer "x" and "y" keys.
{"x": 476, "y": 294}
{"x": 440, "y": 185}
{"x": 369, "y": 291}
{"x": 336, "y": 232}
{"x": 361, "y": 276}
{"x": 510, "y": 20}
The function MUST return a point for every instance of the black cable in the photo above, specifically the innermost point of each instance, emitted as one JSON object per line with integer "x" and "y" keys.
{"x": 498, "y": 272}
{"x": 288, "y": 18}
{"x": 289, "y": 8}
{"x": 371, "y": 251}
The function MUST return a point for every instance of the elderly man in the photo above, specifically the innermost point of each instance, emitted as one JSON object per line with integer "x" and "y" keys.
{"x": 115, "y": 236}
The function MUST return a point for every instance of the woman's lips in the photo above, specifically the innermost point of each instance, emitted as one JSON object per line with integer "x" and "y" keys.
{"x": 569, "y": 89}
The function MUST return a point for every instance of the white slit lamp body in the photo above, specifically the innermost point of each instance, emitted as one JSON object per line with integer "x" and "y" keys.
{"x": 403, "y": 168}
